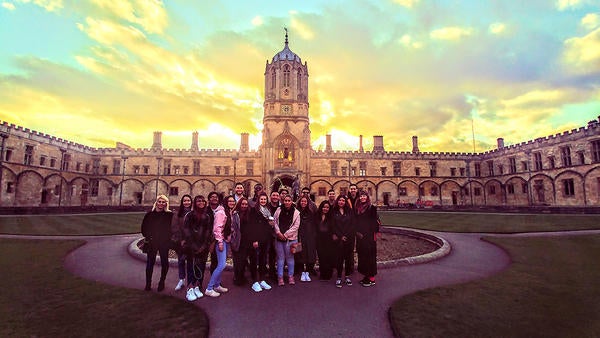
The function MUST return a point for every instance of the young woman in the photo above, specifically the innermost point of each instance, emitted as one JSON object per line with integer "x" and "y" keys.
{"x": 367, "y": 227}
{"x": 307, "y": 235}
{"x": 287, "y": 222}
{"x": 156, "y": 228}
{"x": 326, "y": 247}
{"x": 197, "y": 228}
{"x": 239, "y": 240}
{"x": 185, "y": 205}
{"x": 221, "y": 233}
{"x": 344, "y": 235}
{"x": 260, "y": 232}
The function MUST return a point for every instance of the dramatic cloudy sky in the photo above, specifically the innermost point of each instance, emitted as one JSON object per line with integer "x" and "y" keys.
{"x": 101, "y": 71}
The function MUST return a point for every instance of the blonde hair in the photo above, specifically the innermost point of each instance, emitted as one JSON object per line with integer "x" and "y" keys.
{"x": 164, "y": 198}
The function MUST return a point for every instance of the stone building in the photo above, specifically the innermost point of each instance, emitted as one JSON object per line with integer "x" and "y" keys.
{"x": 42, "y": 170}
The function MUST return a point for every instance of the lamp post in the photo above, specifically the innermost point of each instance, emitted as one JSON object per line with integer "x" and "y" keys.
{"x": 122, "y": 179}
{"x": 529, "y": 192}
{"x": 157, "y": 174}
{"x": 4, "y": 137}
{"x": 349, "y": 159}
{"x": 62, "y": 164}
{"x": 235, "y": 158}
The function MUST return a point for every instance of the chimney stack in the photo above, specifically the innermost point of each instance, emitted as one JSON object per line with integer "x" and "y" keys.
{"x": 194, "y": 141}
{"x": 361, "y": 149}
{"x": 328, "y": 142}
{"x": 500, "y": 142}
{"x": 157, "y": 143}
{"x": 244, "y": 142}
{"x": 378, "y": 143}
{"x": 415, "y": 141}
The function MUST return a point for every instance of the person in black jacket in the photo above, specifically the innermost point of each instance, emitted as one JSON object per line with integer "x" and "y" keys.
{"x": 260, "y": 234}
{"x": 156, "y": 228}
{"x": 240, "y": 217}
{"x": 344, "y": 235}
{"x": 197, "y": 229}
{"x": 326, "y": 247}
{"x": 367, "y": 228}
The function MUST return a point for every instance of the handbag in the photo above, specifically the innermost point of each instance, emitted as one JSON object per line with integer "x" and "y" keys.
{"x": 296, "y": 248}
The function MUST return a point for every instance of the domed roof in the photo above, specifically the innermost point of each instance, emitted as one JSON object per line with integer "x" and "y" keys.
{"x": 286, "y": 53}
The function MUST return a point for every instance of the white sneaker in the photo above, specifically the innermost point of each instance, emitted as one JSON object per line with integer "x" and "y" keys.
{"x": 179, "y": 285}
{"x": 191, "y": 295}
{"x": 256, "y": 287}
{"x": 198, "y": 293}
{"x": 303, "y": 277}
{"x": 307, "y": 278}
{"x": 264, "y": 285}
{"x": 221, "y": 289}
{"x": 211, "y": 293}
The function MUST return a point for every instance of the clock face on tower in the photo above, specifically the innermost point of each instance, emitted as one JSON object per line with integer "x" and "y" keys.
{"x": 286, "y": 109}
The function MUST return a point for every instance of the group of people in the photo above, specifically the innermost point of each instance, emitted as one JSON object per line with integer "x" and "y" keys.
{"x": 266, "y": 235}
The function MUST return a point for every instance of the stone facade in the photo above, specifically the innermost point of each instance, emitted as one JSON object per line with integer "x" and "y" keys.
{"x": 42, "y": 170}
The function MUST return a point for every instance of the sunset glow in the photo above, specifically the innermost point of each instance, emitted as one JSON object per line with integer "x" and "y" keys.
{"x": 99, "y": 72}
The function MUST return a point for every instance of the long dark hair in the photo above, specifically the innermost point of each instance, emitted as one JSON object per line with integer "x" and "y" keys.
{"x": 199, "y": 212}
{"x": 227, "y": 227}
{"x": 243, "y": 213}
{"x": 181, "y": 211}
{"x": 347, "y": 205}
{"x": 320, "y": 211}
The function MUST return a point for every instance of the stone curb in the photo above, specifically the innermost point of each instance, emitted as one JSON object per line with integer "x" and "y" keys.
{"x": 444, "y": 249}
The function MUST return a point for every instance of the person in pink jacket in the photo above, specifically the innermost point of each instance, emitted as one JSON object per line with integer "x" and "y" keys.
{"x": 287, "y": 222}
{"x": 222, "y": 233}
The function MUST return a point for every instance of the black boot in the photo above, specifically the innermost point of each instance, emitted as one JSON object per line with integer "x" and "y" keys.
{"x": 161, "y": 285}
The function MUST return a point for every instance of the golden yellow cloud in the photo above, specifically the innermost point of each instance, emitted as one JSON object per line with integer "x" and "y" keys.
{"x": 151, "y": 15}
{"x": 497, "y": 28}
{"x": 49, "y": 5}
{"x": 8, "y": 6}
{"x": 590, "y": 21}
{"x": 583, "y": 53}
{"x": 451, "y": 33}
{"x": 407, "y": 3}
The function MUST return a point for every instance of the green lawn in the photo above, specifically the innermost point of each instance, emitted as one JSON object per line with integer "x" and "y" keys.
{"x": 487, "y": 222}
{"x": 76, "y": 224}
{"x": 550, "y": 290}
{"x": 40, "y": 299}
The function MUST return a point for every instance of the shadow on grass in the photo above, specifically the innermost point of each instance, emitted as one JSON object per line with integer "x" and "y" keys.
{"x": 550, "y": 290}
{"x": 40, "y": 298}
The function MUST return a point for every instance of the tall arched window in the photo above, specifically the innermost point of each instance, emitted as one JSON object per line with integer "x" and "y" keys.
{"x": 299, "y": 81}
{"x": 286, "y": 76}
{"x": 286, "y": 152}
{"x": 273, "y": 79}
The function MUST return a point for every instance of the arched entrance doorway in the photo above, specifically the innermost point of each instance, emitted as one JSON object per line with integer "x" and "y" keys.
{"x": 283, "y": 181}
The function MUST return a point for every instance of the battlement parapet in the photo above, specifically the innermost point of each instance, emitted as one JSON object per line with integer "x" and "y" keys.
{"x": 176, "y": 152}
{"x": 40, "y": 137}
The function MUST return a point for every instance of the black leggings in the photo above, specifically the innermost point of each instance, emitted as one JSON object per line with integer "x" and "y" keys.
{"x": 345, "y": 257}
{"x": 163, "y": 251}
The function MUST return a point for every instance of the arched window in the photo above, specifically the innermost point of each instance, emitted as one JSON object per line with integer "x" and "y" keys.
{"x": 286, "y": 76}
{"x": 273, "y": 79}
{"x": 299, "y": 81}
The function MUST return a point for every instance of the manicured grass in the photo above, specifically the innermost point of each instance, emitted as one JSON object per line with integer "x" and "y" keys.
{"x": 78, "y": 224}
{"x": 40, "y": 299}
{"x": 493, "y": 223}
{"x": 550, "y": 290}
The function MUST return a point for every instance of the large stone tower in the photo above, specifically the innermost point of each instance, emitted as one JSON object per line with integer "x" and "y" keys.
{"x": 286, "y": 133}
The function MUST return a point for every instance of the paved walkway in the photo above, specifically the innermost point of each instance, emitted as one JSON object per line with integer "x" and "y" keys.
{"x": 306, "y": 309}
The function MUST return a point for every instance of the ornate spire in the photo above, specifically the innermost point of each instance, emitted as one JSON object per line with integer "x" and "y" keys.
{"x": 286, "y": 35}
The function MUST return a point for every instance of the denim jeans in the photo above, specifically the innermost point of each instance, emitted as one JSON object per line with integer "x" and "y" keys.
{"x": 284, "y": 255}
{"x": 215, "y": 278}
